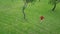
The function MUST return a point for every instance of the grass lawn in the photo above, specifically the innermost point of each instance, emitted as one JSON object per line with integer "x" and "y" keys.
{"x": 12, "y": 22}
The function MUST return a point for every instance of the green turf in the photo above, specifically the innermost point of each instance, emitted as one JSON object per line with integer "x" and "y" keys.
{"x": 12, "y": 22}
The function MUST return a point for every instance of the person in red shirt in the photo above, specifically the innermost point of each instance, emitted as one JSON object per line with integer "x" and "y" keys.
{"x": 41, "y": 18}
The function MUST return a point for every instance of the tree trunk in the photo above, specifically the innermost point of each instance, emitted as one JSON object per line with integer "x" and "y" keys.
{"x": 54, "y": 7}
{"x": 24, "y": 15}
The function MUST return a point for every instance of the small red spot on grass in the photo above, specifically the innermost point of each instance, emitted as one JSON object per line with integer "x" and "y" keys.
{"x": 41, "y": 17}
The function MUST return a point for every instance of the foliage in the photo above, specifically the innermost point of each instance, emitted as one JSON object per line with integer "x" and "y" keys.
{"x": 54, "y": 1}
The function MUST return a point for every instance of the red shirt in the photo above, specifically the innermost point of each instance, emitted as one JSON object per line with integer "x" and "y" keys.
{"x": 41, "y": 17}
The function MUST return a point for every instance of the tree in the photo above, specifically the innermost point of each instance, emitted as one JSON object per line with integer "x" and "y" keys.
{"x": 54, "y": 2}
{"x": 26, "y": 2}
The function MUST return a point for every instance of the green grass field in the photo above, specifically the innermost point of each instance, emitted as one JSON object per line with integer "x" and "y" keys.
{"x": 12, "y": 22}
